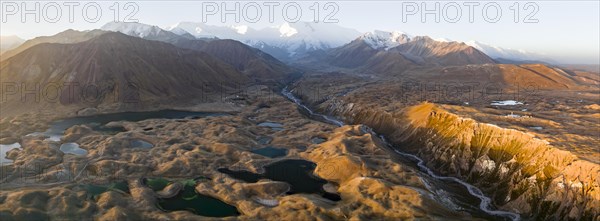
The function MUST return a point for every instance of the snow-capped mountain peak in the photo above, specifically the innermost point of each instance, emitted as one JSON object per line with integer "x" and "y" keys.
{"x": 132, "y": 28}
{"x": 179, "y": 31}
{"x": 288, "y": 40}
{"x": 286, "y": 30}
{"x": 241, "y": 29}
{"x": 284, "y": 41}
{"x": 385, "y": 40}
{"x": 201, "y": 30}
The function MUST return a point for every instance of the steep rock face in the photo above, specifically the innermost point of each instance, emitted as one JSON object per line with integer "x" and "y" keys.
{"x": 520, "y": 173}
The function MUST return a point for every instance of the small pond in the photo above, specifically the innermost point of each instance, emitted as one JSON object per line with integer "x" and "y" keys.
{"x": 72, "y": 148}
{"x": 5, "y": 148}
{"x": 274, "y": 126}
{"x": 506, "y": 103}
{"x": 140, "y": 144}
{"x": 95, "y": 190}
{"x": 190, "y": 200}
{"x": 297, "y": 173}
{"x": 317, "y": 140}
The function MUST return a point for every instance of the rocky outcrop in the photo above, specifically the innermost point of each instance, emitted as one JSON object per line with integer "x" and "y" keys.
{"x": 520, "y": 173}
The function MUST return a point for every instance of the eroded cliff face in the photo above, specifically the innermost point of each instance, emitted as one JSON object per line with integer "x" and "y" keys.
{"x": 520, "y": 173}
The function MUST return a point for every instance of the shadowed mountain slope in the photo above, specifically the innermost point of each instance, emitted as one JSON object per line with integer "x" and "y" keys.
{"x": 113, "y": 61}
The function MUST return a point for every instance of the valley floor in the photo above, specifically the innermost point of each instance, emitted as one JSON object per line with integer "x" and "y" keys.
{"x": 372, "y": 181}
{"x": 44, "y": 183}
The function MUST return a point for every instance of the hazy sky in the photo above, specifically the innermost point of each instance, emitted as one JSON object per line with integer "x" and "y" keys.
{"x": 567, "y": 31}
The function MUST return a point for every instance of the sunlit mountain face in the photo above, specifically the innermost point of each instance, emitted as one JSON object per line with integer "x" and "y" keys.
{"x": 310, "y": 111}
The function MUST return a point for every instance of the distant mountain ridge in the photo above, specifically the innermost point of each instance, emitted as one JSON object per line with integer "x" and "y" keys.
{"x": 291, "y": 41}
{"x": 65, "y": 37}
{"x": 286, "y": 41}
{"x": 171, "y": 66}
{"x": 9, "y": 42}
{"x": 507, "y": 55}
{"x": 250, "y": 61}
{"x": 384, "y": 40}
{"x": 379, "y": 51}
{"x": 395, "y": 52}
{"x": 148, "y": 32}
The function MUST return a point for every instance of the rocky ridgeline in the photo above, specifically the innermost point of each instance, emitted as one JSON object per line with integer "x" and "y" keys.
{"x": 521, "y": 173}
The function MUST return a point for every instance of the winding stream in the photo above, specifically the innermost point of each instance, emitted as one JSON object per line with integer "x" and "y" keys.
{"x": 327, "y": 119}
{"x": 485, "y": 203}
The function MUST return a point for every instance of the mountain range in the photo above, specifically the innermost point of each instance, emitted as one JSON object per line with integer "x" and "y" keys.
{"x": 168, "y": 66}
{"x": 289, "y": 41}
{"x": 285, "y": 42}
{"x": 395, "y": 52}
{"x": 292, "y": 40}
{"x": 251, "y": 61}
